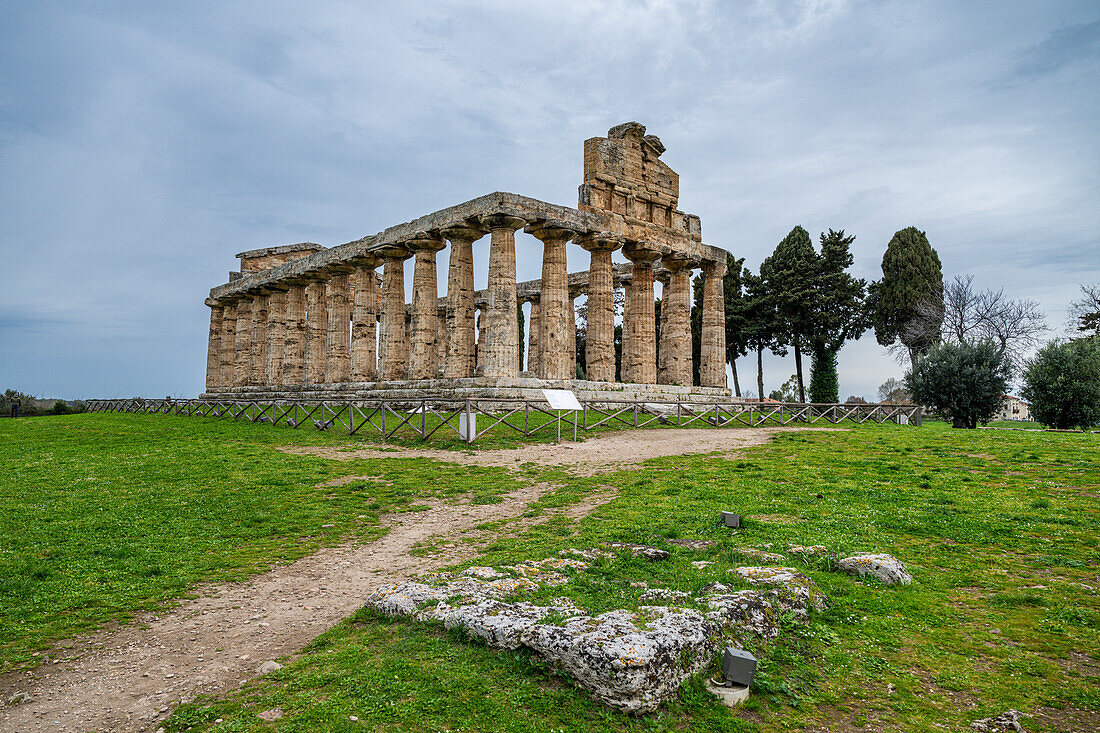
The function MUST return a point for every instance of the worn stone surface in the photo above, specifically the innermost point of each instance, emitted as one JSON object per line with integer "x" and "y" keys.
{"x": 712, "y": 344}
{"x": 743, "y": 613}
{"x": 227, "y": 346}
{"x": 639, "y": 360}
{"x": 394, "y": 342}
{"x": 692, "y": 544}
{"x": 502, "y": 625}
{"x": 316, "y": 331}
{"x": 460, "y": 301}
{"x": 631, "y": 661}
{"x": 676, "y": 323}
{"x": 364, "y": 324}
{"x": 294, "y": 345}
{"x": 665, "y": 594}
{"x": 338, "y": 329}
{"x": 242, "y": 342}
{"x": 213, "y": 346}
{"x": 276, "y": 337}
{"x": 791, "y": 590}
{"x": 599, "y": 347}
{"x": 257, "y": 359}
{"x": 1009, "y": 720}
{"x": 557, "y": 324}
{"x": 501, "y": 349}
{"x": 647, "y": 551}
{"x": 425, "y": 330}
{"x": 808, "y": 550}
{"x": 761, "y": 555}
{"x": 886, "y": 568}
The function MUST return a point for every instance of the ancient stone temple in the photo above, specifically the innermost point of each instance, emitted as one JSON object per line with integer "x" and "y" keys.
{"x": 306, "y": 321}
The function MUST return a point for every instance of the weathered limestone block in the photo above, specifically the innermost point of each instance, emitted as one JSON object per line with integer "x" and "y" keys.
{"x": 556, "y": 331}
{"x": 257, "y": 362}
{"x": 501, "y": 350}
{"x": 599, "y": 354}
{"x": 676, "y": 322}
{"x": 276, "y": 337}
{"x": 425, "y": 330}
{"x": 316, "y": 331}
{"x": 746, "y": 612}
{"x": 631, "y": 661}
{"x": 647, "y": 551}
{"x": 459, "y": 361}
{"x": 761, "y": 555}
{"x": 294, "y": 346}
{"x": 501, "y": 625}
{"x": 792, "y": 590}
{"x": 243, "y": 340}
{"x": 228, "y": 345}
{"x": 364, "y": 323}
{"x": 712, "y": 346}
{"x": 886, "y": 568}
{"x": 1006, "y": 722}
{"x": 639, "y": 320}
{"x": 338, "y": 329}
{"x": 213, "y": 346}
{"x": 394, "y": 343}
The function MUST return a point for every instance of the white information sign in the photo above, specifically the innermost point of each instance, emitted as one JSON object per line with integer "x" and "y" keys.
{"x": 561, "y": 399}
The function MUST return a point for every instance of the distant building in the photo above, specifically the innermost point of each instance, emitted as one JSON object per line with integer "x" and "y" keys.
{"x": 1013, "y": 408}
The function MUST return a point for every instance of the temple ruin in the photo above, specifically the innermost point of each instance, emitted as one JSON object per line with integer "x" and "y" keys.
{"x": 304, "y": 321}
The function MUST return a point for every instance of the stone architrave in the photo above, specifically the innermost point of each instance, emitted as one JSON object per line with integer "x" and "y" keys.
{"x": 257, "y": 363}
{"x": 213, "y": 346}
{"x": 712, "y": 346}
{"x": 425, "y": 307}
{"x": 316, "y": 331}
{"x": 294, "y": 345}
{"x": 501, "y": 350}
{"x": 534, "y": 331}
{"x": 394, "y": 342}
{"x": 639, "y": 320}
{"x": 364, "y": 323}
{"x": 276, "y": 337}
{"x": 676, "y": 321}
{"x": 599, "y": 352}
{"x": 338, "y": 331}
{"x": 556, "y": 327}
{"x": 228, "y": 345}
{"x": 459, "y": 361}
{"x": 243, "y": 342}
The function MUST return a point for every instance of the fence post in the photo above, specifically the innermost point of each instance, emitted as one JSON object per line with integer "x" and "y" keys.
{"x": 469, "y": 430}
{"x": 917, "y": 416}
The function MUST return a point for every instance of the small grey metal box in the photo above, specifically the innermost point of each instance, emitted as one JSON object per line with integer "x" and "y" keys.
{"x": 731, "y": 520}
{"x": 738, "y": 666}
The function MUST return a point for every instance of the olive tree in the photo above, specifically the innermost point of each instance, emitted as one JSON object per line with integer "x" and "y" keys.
{"x": 962, "y": 381}
{"x": 1062, "y": 383}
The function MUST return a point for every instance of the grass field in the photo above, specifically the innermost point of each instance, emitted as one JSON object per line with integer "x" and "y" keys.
{"x": 103, "y": 515}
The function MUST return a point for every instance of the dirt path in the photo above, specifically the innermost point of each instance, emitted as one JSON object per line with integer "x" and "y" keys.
{"x": 593, "y": 456}
{"x": 129, "y": 678}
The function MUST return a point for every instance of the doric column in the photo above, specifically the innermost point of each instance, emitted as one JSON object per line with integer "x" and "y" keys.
{"x": 662, "y": 276}
{"x": 502, "y": 343}
{"x": 534, "y": 336}
{"x": 316, "y": 330}
{"x": 213, "y": 345}
{"x": 276, "y": 337}
{"x": 459, "y": 361}
{"x": 294, "y": 346}
{"x": 364, "y": 322}
{"x": 425, "y": 305}
{"x": 394, "y": 344}
{"x": 338, "y": 331}
{"x": 599, "y": 350}
{"x": 243, "y": 342}
{"x": 228, "y": 346}
{"x": 440, "y": 338}
{"x": 482, "y": 324}
{"x": 676, "y": 321}
{"x": 712, "y": 347}
{"x": 257, "y": 363}
{"x": 557, "y": 323}
{"x": 639, "y": 324}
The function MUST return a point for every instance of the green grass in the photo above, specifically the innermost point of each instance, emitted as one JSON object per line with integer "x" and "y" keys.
{"x": 1000, "y": 530}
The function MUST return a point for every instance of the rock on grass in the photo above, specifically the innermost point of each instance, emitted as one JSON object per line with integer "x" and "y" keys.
{"x": 886, "y": 568}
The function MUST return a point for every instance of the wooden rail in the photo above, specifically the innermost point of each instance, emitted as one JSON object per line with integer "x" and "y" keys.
{"x": 387, "y": 417}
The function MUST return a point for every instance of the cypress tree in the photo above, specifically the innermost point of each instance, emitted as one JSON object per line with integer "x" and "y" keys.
{"x": 790, "y": 273}
{"x": 911, "y": 286}
{"x": 838, "y": 313}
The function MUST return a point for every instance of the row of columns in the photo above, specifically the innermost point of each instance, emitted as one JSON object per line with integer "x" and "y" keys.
{"x": 298, "y": 332}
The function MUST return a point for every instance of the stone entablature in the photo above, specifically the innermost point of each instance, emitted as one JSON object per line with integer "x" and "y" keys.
{"x": 257, "y": 260}
{"x": 308, "y": 315}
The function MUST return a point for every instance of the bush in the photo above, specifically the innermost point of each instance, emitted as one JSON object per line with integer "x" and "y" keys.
{"x": 1062, "y": 383}
{"x": 28, "y": 407}
{"x": 962, "y": 381}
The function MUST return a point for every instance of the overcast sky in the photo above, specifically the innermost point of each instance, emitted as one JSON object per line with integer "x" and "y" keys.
{"x": 142, "y": 146}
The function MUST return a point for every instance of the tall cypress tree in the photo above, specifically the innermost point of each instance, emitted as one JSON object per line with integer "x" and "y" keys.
{"x": 790, "y": 273}
{"x": 911, "y": 286}
{"x": 736, "y": 305}
{"x": 761, "y": 327}
{"x": 838, "y": 313}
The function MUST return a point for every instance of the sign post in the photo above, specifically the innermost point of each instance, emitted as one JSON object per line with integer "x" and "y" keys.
{"x": 562, "y": 399}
